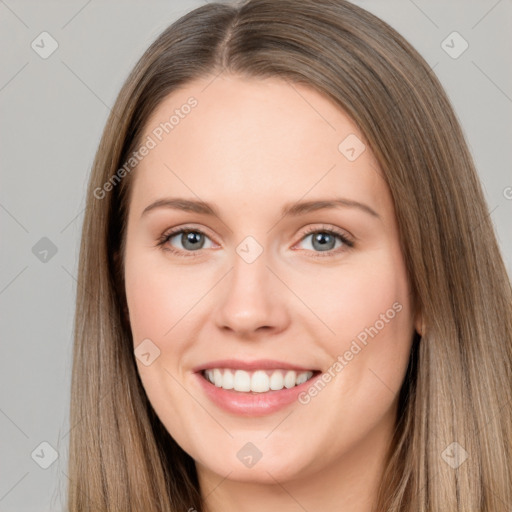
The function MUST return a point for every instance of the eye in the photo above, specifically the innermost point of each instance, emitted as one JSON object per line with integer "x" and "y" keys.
{"x": 324, "y": 240}
{"x": 190, "y": 240}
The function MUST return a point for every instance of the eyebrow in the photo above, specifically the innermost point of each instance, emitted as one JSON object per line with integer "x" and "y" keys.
{"x": 293, "y": 209}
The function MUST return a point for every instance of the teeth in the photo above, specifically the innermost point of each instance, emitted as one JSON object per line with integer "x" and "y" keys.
{"x": 276, "y": 381}
{"x": 301, "y": 378}
{"x": 258, "y": 381}
{"x": 241, "y": 381}
{"x": 217, "y": 377}
{"x": 228, "y": 380}
{"x": 289, "y": 379}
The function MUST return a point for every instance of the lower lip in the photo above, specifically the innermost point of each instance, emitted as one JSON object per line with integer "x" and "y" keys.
{"x": 250, "y": 403}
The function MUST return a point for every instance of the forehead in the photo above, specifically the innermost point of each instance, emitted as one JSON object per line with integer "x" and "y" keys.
{"x": 252, "y": 142}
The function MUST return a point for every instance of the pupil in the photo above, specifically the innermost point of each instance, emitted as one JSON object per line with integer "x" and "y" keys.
{"x": 321, "y": 239}
{"x": 193, "y": 239}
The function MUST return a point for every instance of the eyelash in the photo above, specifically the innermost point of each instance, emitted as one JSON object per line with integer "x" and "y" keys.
{"x": 348, "y": 243}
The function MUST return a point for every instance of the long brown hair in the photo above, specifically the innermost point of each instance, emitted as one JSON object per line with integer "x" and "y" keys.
{"x": 458, "y": 388}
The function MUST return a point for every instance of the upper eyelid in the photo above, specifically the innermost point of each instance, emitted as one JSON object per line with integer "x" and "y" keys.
{"x": 328, "y": 228}
{"x": 176, "y": 231}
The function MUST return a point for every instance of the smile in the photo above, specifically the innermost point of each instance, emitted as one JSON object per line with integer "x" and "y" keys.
{"x": 261, "y": 388}
{"x": 258, "y": 381}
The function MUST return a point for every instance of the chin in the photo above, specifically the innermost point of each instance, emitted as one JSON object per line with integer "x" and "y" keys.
{"x": 268, "y": 469}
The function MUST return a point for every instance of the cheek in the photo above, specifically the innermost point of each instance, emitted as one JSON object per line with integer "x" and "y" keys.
{"x": 151, "y": 300}
{"x": 352, "y": 297}
{"x": 159, "y": 298}
{"x": 159, "y": 295}
{"x": 370, "y": 312}
{"x": 376, "y": 298}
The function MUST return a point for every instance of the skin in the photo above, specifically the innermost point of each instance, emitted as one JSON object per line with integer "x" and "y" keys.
{"x": 250, "y": 147}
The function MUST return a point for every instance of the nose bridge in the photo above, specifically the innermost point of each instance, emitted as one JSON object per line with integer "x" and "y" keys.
{"x": 250, "y": 272}
{"x": 251, "y": 298}
{"x": 249, "y": 281}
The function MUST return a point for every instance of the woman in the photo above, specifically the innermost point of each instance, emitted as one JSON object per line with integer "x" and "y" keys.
{"x": 226, "y": 355}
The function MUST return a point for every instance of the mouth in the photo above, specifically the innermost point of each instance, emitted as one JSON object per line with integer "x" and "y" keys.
{"x": 258, "y": 380}
{"x": 254, "y": 388}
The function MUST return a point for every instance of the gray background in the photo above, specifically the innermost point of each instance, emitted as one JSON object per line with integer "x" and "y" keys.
{"x": 52, "y": 114}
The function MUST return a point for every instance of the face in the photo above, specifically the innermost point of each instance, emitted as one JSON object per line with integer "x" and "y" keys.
{"x": 296, "y": 273}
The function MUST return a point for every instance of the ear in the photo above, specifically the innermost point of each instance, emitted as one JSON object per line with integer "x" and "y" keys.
{"x": 419, "y": 323}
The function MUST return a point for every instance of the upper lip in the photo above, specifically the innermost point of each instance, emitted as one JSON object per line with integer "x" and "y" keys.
{"x": 257, "y": 364}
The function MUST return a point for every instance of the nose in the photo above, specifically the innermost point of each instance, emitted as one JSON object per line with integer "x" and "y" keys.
{"x": 252, "y": 300}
